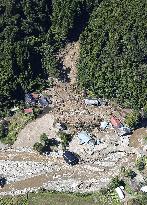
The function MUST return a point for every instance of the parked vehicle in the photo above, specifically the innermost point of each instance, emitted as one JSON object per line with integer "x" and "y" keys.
{"x": 96, "y": 102}
{"x": 124, "y": 131}
{"x": 120, "y": 193}
{"x": 70, "y": 158}
{"x": 2, "y": 181}
{"x": 29, "y": 99}
{"x": 43, "y": 102}
{"x": 103, "y": 102}
{"x": 92, "y": 102}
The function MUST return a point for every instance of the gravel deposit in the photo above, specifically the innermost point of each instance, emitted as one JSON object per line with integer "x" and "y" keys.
{"x": 17, "y": 171}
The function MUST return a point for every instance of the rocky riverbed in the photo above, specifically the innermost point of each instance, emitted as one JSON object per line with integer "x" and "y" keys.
{"x": 25, "y": 173}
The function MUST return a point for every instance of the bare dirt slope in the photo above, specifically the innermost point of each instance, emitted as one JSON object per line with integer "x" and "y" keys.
{"x": 69, "y": 57}
{"x": 31, "y": 133}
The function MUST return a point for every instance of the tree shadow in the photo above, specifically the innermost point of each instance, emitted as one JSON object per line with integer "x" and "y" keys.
{"x": 142, "y": 123}
{"x": 53, "y": 142}
{"x": 50, "y": 143}
{"x": 63, "y": 72}
{"x": 80, "y": 22}
{"x": 36, "y": 65}
{"x": 122, "y": 183}
{"x": 81, "y": 19}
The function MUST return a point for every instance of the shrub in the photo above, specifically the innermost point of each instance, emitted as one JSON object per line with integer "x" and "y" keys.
{"x": 115, "y": 182}
{"x": 140, "y": 163}
{"x": 129, "y": 173}
{"x": 132, "y": 119}
{"x": 44, "y": 139}
{"x": 145, "y": 139}
{"x": 38, "y": 147}
{"x": 65, "y": 139}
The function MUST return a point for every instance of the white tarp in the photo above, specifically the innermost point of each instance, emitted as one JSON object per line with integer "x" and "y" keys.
{"x": 120, "y": 193}
{"x": 144, "y": 189}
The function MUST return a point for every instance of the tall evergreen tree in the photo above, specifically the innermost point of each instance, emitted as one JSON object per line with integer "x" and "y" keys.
{"x": 113, "y": 62}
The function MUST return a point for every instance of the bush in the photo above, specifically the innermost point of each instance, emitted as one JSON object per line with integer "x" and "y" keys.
{"x": 130, "y": 173}
{"x": 65, "y": 139}
{"x": 141, "y": 163}
{"x": 132, "y": 119}
{"x": 133, "y": 202}
{"x": 104, "y": 191}
{"x": 44, "y": 139}
{"x": 38, "y": 147}
{"x": 142, "y": 199}
{"x": 116, "y": 182}
{"x": 16, "y": 124}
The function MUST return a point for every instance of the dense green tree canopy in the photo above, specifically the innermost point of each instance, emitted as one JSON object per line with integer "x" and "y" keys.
{"x": 113, "y": 62}
{"x": 23, "y": 26}
{"x": 30, "y": 34}
{"x": 113, "y": 59}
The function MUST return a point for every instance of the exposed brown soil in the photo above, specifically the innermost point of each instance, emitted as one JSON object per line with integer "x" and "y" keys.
{"x": 136, "y": 139}
{"x": 32, "y": 131}
{"x": 31, "y": 182}
{"x": 69, "y": 56}
{"x": 22, "y": 156}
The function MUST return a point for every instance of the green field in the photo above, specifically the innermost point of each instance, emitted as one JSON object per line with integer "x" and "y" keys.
{"x": 53, "y": 198}
{"x": 103, "y": 197}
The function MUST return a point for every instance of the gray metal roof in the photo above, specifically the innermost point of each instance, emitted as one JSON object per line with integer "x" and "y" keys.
{"x": 85, "y": 137}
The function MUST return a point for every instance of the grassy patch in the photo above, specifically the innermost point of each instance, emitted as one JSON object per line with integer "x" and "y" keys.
{"x": 14, "y": 200}
{"x": 16, "y": 124}
{"x": 56, "y": 198}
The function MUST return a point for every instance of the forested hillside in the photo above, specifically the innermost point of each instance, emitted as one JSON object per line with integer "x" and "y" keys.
{"x": 113, "y": 61}
{"x": 24, "y": 25}
{"x": 30, "y": 34}
{"x": 113, "y": 46}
